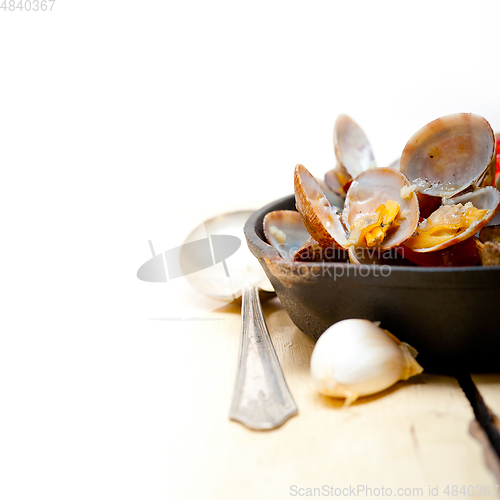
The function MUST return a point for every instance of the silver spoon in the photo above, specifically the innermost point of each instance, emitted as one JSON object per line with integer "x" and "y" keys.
{"x": 261, "y": 398}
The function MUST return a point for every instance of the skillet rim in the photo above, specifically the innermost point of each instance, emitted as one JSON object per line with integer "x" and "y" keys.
{"x": 258, "y": 246}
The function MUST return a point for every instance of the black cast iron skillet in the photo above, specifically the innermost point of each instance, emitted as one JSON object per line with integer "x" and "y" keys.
{"x": 450, "y": 315}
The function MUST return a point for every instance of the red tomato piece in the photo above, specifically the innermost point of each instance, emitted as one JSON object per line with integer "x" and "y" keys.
{"x": 462, "y": 254}
{"x": 498, "y": 158}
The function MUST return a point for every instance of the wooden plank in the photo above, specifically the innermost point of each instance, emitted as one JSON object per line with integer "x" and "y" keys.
{"x": 414, "y": 435}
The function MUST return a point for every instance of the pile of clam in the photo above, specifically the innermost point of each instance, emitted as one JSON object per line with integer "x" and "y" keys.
{"x": 435, "y": 206}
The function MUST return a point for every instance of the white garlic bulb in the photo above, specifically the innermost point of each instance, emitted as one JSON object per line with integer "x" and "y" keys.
{"x": 356, "y": 358}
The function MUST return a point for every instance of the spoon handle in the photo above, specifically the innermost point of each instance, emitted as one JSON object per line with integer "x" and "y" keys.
{"x": 261, "y": 398}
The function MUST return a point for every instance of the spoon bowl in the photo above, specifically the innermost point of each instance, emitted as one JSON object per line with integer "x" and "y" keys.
{"x": 226, "y": 280}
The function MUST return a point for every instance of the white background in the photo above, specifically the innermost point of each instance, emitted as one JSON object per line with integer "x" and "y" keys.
{"x": 123, "y": 121}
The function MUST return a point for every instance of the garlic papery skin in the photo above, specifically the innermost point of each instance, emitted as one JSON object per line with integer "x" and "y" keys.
{"x": 356, "y": 358}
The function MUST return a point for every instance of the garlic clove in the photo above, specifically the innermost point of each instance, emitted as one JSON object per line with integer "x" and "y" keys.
{"x": 355, "y": 358}
{"x": 411, "y": 366}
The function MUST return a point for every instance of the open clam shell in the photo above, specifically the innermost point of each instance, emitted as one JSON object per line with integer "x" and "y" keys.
{"x": 488, "y": 245}
{"x": 490, "y": 233}
{"x": 376, "y": 187}
{"x": 489, "y": 252}
{"x": 450, "y": 154}
{"x": 332, "y": 196}
{"x": 336, "y": 181}
{"x": 286, "y": 232}
{"x": 353, "y": 153}
{"x": 352, "y": 149}
{"x": 487, "y": 199}
{"x": 320, "y": 218}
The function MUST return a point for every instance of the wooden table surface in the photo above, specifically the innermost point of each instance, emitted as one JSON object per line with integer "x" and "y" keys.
{"x": 411, "y": 436}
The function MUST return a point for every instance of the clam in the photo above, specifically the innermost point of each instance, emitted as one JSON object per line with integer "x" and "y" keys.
{"x": 319, "y": 216}
{"x": 353, "y": 152}
{"x": 490, "y": 233}
{"x": 489, "y": 252}
{"x": 496, "y": 220}
{"x": 488, "y": 245}
{"x": 334, "y": 198}
{"x": 352, "y": 149}
{"x": 456, "y": 220}
{"x": 285, "y": 231}
{"x": 337, "y": 182}
{"x": 312, "y": 251}
{"x": 381, "y": 210}
{"x": 450, "y": 155}
{"x": 491, "y": 173}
